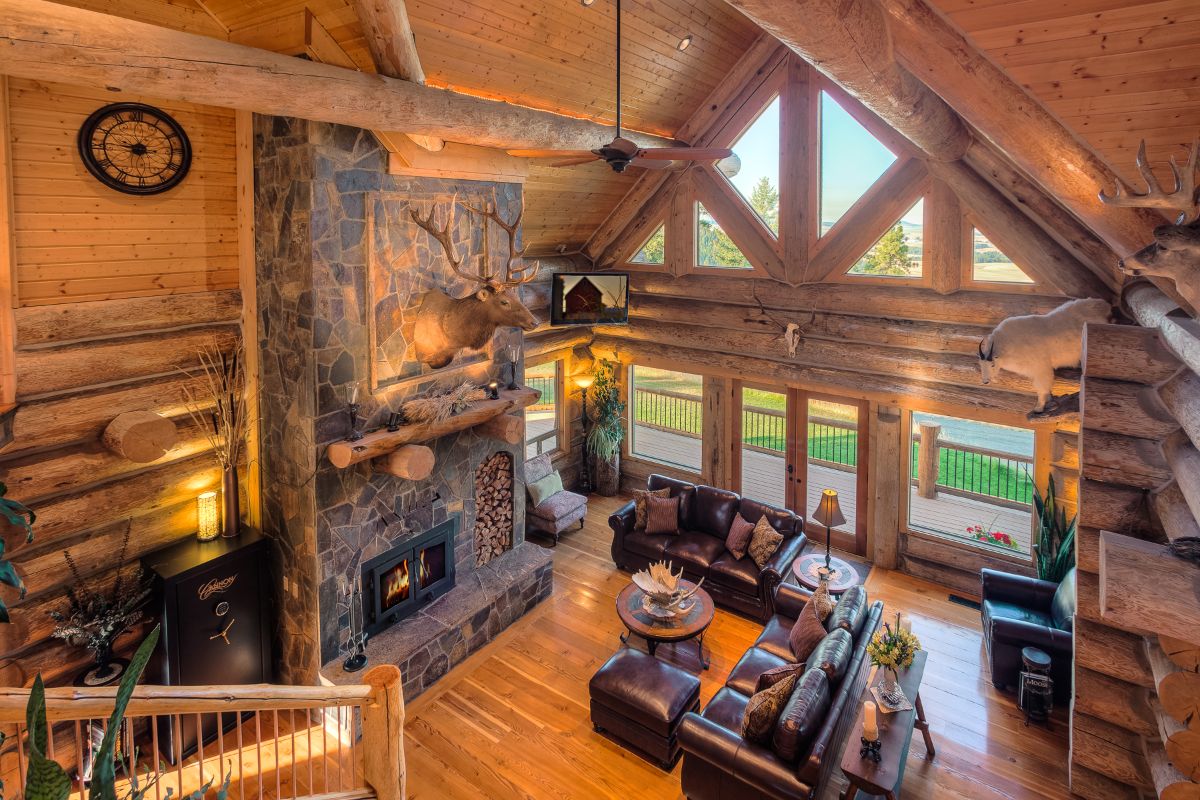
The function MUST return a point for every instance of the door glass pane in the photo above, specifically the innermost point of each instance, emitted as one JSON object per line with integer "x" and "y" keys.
{"x": 764, "y": 446}
{"x": 971, "y": 480}
{"x": 668, "y": 416}
{"x": 833, "y": 457}
{"x": 541, "y": 419}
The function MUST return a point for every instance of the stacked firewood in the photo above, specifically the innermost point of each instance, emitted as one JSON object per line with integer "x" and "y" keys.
{"x": 493, "y": 507}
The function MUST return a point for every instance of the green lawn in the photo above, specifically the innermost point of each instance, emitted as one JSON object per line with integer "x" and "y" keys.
{"x": 983, "y": 475}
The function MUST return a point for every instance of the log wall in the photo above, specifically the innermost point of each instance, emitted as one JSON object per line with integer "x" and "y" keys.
{"x": 113, "y": 296}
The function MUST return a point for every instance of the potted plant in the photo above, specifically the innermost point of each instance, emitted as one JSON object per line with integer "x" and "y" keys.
{"x": 14, "y": 514}
{"x": 893, "y": 649}
{"x": 607, "y": 429}
{"x": 95, "y": 619}
{"x": 1054, "y": 549}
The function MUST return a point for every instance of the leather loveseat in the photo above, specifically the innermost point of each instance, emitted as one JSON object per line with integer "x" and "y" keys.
{"x": 705, "y": 514}
{"x": 718, "y": 764}
{"x": 1020, "y": 612}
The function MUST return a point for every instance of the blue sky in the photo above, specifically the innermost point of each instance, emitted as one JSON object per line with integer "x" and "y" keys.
{"x": 852, "y": 159}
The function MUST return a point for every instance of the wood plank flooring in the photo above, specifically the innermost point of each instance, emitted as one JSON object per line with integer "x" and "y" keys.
{"x": 512, "y": 721}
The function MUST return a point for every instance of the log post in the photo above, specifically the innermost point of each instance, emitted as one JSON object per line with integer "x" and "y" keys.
{"x": 927, "y": 460}
{"x": 507, "y": 428}
{"x": 383, "y": 733}
{"x": 413, "y": 462}
{"x": 888, "y": 466}
{"x": 140, "y": 436}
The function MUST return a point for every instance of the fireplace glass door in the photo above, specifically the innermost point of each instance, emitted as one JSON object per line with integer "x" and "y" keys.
{"x": 394, "y": 586}
{"x": 433, "y": 565}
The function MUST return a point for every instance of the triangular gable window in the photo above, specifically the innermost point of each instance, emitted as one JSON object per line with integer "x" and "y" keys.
{"x": 714, "y": 248}
{"x": 852, "y": 160}
{"x": 990, "y": 265}
{"x": 653, "y": 250}
{"x": 757, "y": 178}
{"x": 898, "y": 253}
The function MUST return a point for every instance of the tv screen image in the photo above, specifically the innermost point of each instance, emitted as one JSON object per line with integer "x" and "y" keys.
{"x": 589, "y": 298}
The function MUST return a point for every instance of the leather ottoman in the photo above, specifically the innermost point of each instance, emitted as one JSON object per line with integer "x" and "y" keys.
{"x": 639, "y": 701}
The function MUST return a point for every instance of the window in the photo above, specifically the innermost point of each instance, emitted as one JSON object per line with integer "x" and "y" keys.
{"x": 851, "y": 161}
{"x": 654, "y": 249}
{"x": 542, "y": 420}
{"x": 714, "y": 248}
{"x": 898, "y": 252}
{"x": 668, "y": 415}
{"x": 990, "y": 265}
{"x": 973, "y": 481}
{"x": 757, "y": 179}
{"x": 764, "y": 446}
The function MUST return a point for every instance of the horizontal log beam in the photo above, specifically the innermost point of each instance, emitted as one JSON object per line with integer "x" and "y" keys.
{"x": 1142, "y": 584}
{"x": 1154, "y": 309}
{"x": 68, "y": 322}
{"x": 1127, "y": 353}
{"x": 1113, "y": 700}
{"x": 1131, "y": 409}
{"x": 1116, "y": 458}
{"x": 1112, "y": 652}
{"x": 46, "y": 41}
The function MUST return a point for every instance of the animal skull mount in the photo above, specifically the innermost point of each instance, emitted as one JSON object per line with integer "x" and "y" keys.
{"x": 791, "y": 333}
{"x": 448, "y": 325}
{"x": 1175, "y": 251}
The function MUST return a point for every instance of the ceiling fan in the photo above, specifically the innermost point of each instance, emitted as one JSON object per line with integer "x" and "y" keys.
{"x": 621, "y": 152}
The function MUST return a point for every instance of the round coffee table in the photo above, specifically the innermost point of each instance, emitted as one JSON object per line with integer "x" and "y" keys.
{"x": 843, "y": 574}
{"x": 689, "y": 624}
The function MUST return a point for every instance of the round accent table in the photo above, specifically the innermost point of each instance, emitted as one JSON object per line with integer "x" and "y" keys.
{"x": 843, "y": 576}
{"x": 691, "y": 623}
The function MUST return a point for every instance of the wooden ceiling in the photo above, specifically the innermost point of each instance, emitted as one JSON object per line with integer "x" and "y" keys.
{"x": 1115, "y": 71}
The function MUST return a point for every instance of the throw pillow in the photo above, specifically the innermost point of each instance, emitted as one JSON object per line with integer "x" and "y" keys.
{"x": 776, "y": 674}
{"x": 738, "y": 539}
{"x": 823, "y": 601}
{"x": 639, "y": 505}
{"x": 764, "y": 542}
{"x": 662, "y": 515}
{"x": 806, "y": 634}
{"x": 544, "y": 489}
{"x": 764, "y": 708}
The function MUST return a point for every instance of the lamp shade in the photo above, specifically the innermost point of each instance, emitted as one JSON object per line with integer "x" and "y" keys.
{"x": 584, "y": 381}
{"x": 829, "y": 512}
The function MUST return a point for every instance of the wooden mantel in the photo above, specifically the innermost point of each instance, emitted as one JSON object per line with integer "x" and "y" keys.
{"x": 382, "y": 441}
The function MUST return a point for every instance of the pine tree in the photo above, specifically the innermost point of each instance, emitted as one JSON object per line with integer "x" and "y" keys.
{"x": 764, "y": 199}
{"x": 654, "y": 251}
{"x": 714, "y": 247}
{"x": 889, "y": 256}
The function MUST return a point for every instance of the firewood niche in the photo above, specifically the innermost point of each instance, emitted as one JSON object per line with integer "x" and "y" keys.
{"x": 382, "y": 442}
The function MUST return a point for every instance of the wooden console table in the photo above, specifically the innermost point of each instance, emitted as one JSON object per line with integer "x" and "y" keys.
{"x": 895, "y": 732}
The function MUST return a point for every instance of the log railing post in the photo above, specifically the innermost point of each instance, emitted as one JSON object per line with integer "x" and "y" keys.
{"x": 383, "y": 733}
{"x": 927, "y": 460}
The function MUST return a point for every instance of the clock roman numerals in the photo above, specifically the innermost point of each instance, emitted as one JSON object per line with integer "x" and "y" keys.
{"x": 135, "y": 148}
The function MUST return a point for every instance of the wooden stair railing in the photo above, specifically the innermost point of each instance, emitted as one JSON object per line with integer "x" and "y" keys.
{"x": 328, "y": 742}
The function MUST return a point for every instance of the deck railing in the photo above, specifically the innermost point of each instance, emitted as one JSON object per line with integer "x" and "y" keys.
{"x": 977, "y": 472}
{"x": 547, "y": 385}
{"x": 332, "y": 742}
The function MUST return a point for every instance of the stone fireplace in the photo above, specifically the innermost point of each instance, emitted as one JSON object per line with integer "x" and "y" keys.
{"x": 318, "y": 190}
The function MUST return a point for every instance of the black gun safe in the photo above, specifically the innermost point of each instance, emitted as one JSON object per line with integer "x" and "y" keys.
{"x": 213, "y": 599}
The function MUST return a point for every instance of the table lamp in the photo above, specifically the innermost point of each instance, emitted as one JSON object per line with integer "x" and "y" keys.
{"x": 829, "y": 514}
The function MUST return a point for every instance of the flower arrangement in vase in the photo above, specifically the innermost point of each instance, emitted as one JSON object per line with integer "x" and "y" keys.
{"x": 893, "y": 648}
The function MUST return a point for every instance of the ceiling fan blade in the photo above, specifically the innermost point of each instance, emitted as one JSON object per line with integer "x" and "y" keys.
{"x": 685, "y": 153}
{"x": 624, "y": 145}
{"x": 572, "y": 162}
{"x": 551, "y": 153}
{"x": 647, "y": 164}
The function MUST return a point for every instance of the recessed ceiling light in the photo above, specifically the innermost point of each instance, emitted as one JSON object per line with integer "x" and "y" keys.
{"x": 684, "y": 43}
{"x": 586, "y": 3}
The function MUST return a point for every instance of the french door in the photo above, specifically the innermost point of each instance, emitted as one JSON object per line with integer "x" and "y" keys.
{"x": 792, "y": 444}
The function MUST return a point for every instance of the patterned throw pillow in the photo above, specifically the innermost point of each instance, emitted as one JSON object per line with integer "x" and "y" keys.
{"x": 806, "y": 634}
{"x": 776, "y": 674}
{"x": 662, "y": 515}
{"x": 639, "y": 505}
{"x": 738, "y": 539}
{"x": 764, "y": 542}
{"x": 822, "y": 601}
{"x": 764, "y": 708}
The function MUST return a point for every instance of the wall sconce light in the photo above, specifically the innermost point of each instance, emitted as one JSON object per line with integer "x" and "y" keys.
{"x": 208, "y": 517}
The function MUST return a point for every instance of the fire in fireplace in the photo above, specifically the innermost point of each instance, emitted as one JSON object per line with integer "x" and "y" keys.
{"x": 389, "y": 590}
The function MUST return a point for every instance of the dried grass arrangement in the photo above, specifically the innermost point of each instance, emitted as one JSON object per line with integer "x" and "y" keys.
{"x": 219, "y": 407}
{"x": 441, "y": 404}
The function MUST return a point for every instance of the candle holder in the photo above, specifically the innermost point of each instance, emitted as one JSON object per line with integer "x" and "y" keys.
{"x": 513, "y": 353}
{"x": 352, "y": 408}
{"x": 493, "y": 389}
{"x": 870, "y": 750}
{"x": 394, "y": 421}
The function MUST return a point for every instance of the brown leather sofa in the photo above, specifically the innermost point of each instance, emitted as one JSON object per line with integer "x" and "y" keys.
{"x": 705, "y": 514}
{"x": 718, "y": 764}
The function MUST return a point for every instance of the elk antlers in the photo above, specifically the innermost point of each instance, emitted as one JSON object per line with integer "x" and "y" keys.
{"x": 512, "y": 277}
{"x": 1182, "y": 197}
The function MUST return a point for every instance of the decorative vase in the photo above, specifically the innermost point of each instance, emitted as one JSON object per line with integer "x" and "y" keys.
{"x": 105, "y": 669}
{"x": 230, "y": 508}
{"x": 890, "y": 687}
{"x": 607, "y": 475}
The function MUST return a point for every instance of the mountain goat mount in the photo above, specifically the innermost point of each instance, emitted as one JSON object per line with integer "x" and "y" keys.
{"x": 1175, "y": 251}
{"x": 447, "y": 325}
{"x": 1034, "y": 345}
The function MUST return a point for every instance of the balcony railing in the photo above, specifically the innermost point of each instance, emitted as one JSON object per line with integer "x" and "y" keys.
{"x": 992, "y": 475}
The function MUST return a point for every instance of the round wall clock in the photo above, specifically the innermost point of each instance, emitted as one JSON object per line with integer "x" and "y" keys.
{"x": 135, "y": 148}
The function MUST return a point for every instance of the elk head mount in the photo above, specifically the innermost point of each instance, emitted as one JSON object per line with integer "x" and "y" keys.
{"x": 1175, "y": 251}
{"x": 447, "y": 325}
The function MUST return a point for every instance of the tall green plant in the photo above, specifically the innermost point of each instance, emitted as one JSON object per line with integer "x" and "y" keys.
{"x": 607, "y": 412}
{"x": 21, "y": 517}
{"x": 1054, "y": 550}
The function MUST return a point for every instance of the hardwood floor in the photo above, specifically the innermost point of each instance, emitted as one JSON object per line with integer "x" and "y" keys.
{"x": 512, "y": 721}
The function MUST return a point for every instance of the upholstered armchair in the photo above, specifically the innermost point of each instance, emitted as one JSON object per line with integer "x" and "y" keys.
{"x": 556, "y": 513}
{"x": 1020, "y": 612}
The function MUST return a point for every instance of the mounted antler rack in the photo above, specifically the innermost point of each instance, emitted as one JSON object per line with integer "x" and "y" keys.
{"x": 382, "y": 442}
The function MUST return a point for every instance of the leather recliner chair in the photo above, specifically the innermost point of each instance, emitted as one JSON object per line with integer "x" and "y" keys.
{"x": 1020, "y": 612}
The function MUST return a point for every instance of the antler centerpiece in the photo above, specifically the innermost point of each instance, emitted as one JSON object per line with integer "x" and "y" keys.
{"x": 664, "y": 596}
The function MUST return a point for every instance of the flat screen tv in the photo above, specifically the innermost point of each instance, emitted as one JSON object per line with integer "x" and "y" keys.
{"x": 589, "y": 298}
